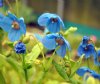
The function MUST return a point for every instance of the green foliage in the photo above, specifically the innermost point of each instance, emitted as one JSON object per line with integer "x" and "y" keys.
{"x": 36, "y": 50}
{"x": 60, "y": 70}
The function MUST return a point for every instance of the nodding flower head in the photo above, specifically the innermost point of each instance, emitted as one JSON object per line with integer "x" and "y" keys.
{"x": 86, "y": 48}
{"x": 84, "y": 70}
{"x": 51, "y": 21}
{"x": 20, "y": 48}
{"x": 52, "y": 41}
{"x": 13, "y": 25}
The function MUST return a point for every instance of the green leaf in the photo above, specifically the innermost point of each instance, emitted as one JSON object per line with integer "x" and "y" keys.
{"x": 60, "y": 70}
{"x": 76, "y": 66}
{"x": 35, "y": 52}
{"x": 2, "y": 80}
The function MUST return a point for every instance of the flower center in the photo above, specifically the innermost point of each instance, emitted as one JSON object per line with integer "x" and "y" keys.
{"x": 54, "y": 20}
{"x": 15, "y": 25}
{"x": 59, "y": 41}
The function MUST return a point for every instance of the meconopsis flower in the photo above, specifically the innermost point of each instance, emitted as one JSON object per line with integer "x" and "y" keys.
{"x": 13, "y": 25}
{"x": 52, "y": 41}
{"x": 84, "y": 70}
{"x": 20, "y": 48}
{"x": 97, "y": 58}
{"x": 52, "y": 21}
{"x": 86, "y": 48}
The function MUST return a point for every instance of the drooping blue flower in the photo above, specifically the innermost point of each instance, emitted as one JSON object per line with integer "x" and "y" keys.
{"x": 20, "y": 48}
{"x": 52, "y": 41}
{"x": 83, "y": 70}
{"x": 52, "y": 21}
{"x": 86, "y": 48}
{"x": 13, "y": 25}
{"x": 97, "y": 58}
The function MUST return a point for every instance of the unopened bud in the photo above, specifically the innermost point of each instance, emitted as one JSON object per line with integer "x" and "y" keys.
{"x": 72, "y": 29}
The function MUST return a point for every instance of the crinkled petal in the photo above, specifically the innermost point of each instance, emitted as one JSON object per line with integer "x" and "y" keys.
{"x": 62, "y": 51}
{"x": 6, "y": 23}
{"x": 14, "y": 35}
{"x": 53, "y": 27}
{"x": 80, "y": 50}
{"x": 22, "y": 25}
{"x": 61, "y": 22}
{"x": 67, "y": 44}
{"x": 49, "y": 42}
{"x": 43, "y": 19}
{"x": 12, "y": 16}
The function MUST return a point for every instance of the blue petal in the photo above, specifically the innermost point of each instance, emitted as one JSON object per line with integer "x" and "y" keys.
{"x": 6, "y": 24}
{"x": 53, "y": 27}
{"x": 14, "y": 35}
{"x": 22, "y": 25}
{"x": 81, "y": 71}
{"x": 1, "y": 16}
{"x": 62, "y": 51}
{"x": 39, "y": 37}
{"x": 49, "y": 42}
{"x": 12, "y": 16}
{"x": 43, "y": 19}
{"x": 80, "y": 50}
{"x": 67, "y": 43}
{"x": 61, "y": 22}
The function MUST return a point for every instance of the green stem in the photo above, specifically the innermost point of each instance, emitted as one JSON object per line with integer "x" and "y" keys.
{"x": 25, "y": 70}
{"x": 17, "y": 12}
{"x": 88, "y": 63}
{"x": 41, "y": 77}
{"x": 99, "y": 69}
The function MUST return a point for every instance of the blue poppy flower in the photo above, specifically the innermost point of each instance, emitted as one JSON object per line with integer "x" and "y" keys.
{"x": 20, "y": 48}
{"x": 52, "y": 41}
{"x": 52, "y": 21}
{"x": 97, "y": 58}
{"x": 86, "y": 48}
{"x": 83, "y": 70}
{"x": 13, "y": 25}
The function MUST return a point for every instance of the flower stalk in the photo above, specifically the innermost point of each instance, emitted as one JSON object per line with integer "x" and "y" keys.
{"x": 24, "y": 68}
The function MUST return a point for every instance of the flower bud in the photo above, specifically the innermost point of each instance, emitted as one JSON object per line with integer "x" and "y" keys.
{"x": 20, "y": 48}
{"x": 72, "y": 29}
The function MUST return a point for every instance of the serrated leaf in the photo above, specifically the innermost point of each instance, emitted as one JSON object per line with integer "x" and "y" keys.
{"x": 60, "y": 70}
{"x": 35, "y": 52}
